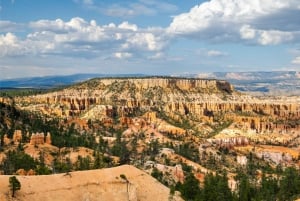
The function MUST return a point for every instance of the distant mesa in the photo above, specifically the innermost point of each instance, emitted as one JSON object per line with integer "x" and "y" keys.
{"x": 258, "y": 83}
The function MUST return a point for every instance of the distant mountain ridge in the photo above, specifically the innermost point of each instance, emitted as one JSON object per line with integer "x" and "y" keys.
{"x": 55, "y": 80}
{"x": 257, "y": 83}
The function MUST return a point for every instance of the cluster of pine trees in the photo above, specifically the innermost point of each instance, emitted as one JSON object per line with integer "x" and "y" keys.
{"x": 283, "y": 187}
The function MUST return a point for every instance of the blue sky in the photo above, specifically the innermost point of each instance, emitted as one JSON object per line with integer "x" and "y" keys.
{"x": 46, "y": 37}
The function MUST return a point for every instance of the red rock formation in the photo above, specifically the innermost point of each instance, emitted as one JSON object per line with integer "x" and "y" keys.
{"x": 39, "y": 138}
{"x": 6, "y": 140}
{"x": 23, "y": 172}
{"x": 48, "y": 138}
{"x": 17, "y": 136}
{"x": 200, "y": 99}
{"x": 230, "y": 142}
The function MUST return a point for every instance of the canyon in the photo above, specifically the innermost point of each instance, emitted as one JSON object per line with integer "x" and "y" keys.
{"x": 195, "y": 100}
{"x": 165, "y": 124}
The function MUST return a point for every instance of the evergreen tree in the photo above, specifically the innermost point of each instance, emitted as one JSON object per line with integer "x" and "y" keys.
{"x": 216, "y": 188}
{"x": 190, "y": 189}
{"x": 14, "y": 185}
{"x": 157, "y": 174}
{"x": 289, "y": 184}
{"x": 98, "y": 161}
{"x": 17, "y": 160}
{"x": 244, "y": 191}
{"x": 268, "y": 190}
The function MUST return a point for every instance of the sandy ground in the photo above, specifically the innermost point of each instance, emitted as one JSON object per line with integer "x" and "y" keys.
{"x": 103, "y": 184}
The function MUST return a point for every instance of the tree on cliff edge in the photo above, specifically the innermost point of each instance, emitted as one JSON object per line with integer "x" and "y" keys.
{"x": 127, "y": 183}
{"x": 14, "y": 185}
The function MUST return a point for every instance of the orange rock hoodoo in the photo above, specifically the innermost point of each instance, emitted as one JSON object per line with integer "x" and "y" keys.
{"x": 198, "y": 98}
{"x": 39, "y": 138}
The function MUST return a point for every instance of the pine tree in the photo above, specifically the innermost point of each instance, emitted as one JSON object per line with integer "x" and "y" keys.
{"x": 289, "y": 184}
{"x": 14, "y": 185}
{"x": 269, "y": 189}
{"x": 244, "y": 187}
{"x": 190, "y": 189}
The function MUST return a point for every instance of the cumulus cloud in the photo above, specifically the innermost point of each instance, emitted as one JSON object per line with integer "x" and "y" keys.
{"x": 266, "y": 37}
{"x": 82, "y": 38}
{"x": 246, "y": 32}
{"x": 126, "y": 25}
{"x": 235, "y": 20}
{"x": 11, "y": 45}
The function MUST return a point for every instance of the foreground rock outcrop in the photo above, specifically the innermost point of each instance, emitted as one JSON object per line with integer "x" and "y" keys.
{"x": 93, "y": 185}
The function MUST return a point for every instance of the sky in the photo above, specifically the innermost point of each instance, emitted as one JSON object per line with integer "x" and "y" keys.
{"x": 154, "y": 37}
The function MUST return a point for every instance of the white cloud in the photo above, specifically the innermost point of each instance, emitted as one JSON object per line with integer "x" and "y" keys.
{"x": 81, "y": 38}
{"x": 144, "y": 41}
{"x": 296, "y": 61}
{"x": 274, "y": 37}
{"x": 202, "y": 52}
{"x": 58, "y": 25}
{"x": 8, "y": 39}
{"x": 266, "y": 37}
{"x": 247, "y": 32}
{"x": 235, "y": 20}
{"x": 216, "y": 53}
{"x": 126, "y": 25}
{"x": 122, "y": 55}
{"x": 10, "y": 45}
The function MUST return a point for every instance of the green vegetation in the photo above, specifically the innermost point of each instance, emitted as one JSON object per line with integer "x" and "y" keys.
{"x": 182, "y": 123}
{"x": 122, "y": 176}
{"x": 217, "y": 128}
{"x": 188, "y": 150}
{"x": 14, "y": 185}
{"x": 16, "y": 160}
{"x": 21, "y": 92}
{"x": 120, "y": 149}
{"x": 107, "y": 146}
{"x": 215, "y": 188}
{"x": 157, "y": 174}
